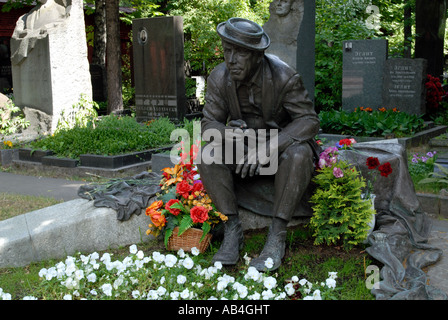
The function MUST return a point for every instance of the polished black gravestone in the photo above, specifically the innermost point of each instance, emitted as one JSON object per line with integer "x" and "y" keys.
{"x": 404, "y": 85}
{"x": 159, "y": 68}
{"x": 362, "y": 78}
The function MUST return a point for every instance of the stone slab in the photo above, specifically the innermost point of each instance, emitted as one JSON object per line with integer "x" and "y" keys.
{"x": 65, "y": 229}
{"x": 419, "y": 138}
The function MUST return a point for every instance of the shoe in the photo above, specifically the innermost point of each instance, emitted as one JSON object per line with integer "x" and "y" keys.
{"x": 229, "y": 252}
{"x": 274, "y": 249}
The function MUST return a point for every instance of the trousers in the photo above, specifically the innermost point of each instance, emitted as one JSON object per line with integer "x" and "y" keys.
{"x": 292, "y": 178}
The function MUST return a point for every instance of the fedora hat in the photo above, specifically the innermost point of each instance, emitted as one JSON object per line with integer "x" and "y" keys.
{"x": 244, "y": 33}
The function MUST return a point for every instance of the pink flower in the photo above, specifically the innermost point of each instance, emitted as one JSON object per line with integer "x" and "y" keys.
{"x": 337, "y": 172}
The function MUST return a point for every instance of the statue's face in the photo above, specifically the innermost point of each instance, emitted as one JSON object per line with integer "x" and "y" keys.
{"x": 241, "y": 62}
{"x": 282, "y": 7}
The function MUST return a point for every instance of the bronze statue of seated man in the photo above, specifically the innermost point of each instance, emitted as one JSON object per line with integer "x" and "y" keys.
{"x": 256, "y": 92}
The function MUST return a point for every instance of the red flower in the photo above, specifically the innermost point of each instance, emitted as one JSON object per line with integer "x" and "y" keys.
{"x": 183, "y": 188}
{"x": 385, "y": 169}
{"x": 172, "y": 210}
{"x": 372, "y": 162}
{"x": 346, "y": 142}
{"x": 199, "y": 214}
{"x": 198, "y": 186}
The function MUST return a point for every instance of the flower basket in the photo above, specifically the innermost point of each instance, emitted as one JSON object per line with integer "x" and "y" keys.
{"x": 189, "y": 239}
{"x": 183, "y": 207}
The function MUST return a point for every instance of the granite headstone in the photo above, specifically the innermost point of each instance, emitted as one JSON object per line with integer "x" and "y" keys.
{"x": 159, "y": 68}
{"x": 362, "y": 77}
{"x": 404, "y": 85}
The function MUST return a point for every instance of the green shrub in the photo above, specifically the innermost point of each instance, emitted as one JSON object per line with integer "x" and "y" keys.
{"x": 371, "y": 124}
{"x": 111, "y": 135}
{"x": 340, "y": 215}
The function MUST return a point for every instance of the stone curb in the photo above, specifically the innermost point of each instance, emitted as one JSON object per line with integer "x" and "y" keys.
{"x": 65, "y": 229}
{"x": 435, "y": 205}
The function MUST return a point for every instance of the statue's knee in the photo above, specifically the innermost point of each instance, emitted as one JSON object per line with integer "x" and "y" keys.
{"x": 297, "y": 154}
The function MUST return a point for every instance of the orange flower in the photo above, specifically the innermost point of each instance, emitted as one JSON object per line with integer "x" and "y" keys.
{"x": 157, "y": 218}
{"x": 154, "y": 206}
{"x": 369, "y": 109}
{"x": 382, "y": 109}
{"x": 174, "y": 173}
{"x": 395, "y": 110}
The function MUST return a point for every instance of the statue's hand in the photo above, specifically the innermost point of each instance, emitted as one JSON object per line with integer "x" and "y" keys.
{"x": 251, "y": 165}
{"x": 241, "y": 124}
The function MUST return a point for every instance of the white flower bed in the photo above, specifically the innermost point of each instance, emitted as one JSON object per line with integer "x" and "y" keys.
{"x": 168, "y": 277}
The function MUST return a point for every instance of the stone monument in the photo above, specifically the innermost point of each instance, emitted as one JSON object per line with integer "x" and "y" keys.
{"x": 291, "y": 28}
{"x": 159, "y": 68}
{"x": 362, "y": 76}
{"x": 404, "y": 85}
{"x": 50, "y": 68}
{"x": 283, "y": 28}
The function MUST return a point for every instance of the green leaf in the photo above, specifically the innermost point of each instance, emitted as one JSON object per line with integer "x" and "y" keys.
{"x": 168, "y": 196}
{"x": 185, "y": 224}
{"x": 168, "y": 233}
{"x": 179, "y": 206}
{"x": 206, "y": 229}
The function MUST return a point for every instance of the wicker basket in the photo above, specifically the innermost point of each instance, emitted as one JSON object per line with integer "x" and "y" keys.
{"x": 189, "y": 239}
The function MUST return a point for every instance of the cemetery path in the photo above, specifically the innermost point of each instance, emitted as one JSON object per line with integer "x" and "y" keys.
{"x": 39, "y": 186}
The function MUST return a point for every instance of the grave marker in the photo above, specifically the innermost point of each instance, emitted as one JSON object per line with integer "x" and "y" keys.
{"x": 159, "y": 68}
{"x": 404, "y": 85}
{"x": 362, "y": 78}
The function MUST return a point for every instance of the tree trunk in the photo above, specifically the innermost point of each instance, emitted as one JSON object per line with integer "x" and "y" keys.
{"x": 113, "y": 58}
{"x": 430, "y": 18}
{"x": 99, "y": 38}
{"x": 99, "y": 51}
{"x": 407, "y": 45}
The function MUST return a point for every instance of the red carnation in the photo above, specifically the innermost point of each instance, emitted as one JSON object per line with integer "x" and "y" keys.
{"x": 372, "y": 162}
{"x": 172, "y": 210}
{"x": 199, "y": 214}
{"x": 183, "y": 188}
{"x": 385, "y": 169}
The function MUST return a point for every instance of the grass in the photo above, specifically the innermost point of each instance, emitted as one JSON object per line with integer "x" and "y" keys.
{"x": 12, "y": 205}
{"x": 302, "y": 259}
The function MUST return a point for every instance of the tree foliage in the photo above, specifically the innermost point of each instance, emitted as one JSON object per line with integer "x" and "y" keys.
{"x": 201, "y": 17}
{"x": 336, "y": 21}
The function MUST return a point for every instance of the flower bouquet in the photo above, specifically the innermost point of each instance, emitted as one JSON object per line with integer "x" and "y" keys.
{"x": 183, "y": 207}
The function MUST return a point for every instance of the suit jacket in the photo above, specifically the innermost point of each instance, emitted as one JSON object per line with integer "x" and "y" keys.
{"x": 285, "y": 102}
